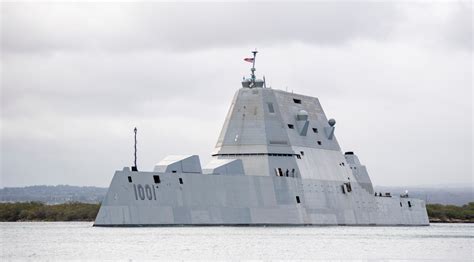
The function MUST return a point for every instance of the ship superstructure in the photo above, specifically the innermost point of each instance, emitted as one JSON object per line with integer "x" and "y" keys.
{"x": 276, "y": 162}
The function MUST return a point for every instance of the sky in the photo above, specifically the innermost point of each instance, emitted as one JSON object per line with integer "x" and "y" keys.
{"x": 77, "y": 78}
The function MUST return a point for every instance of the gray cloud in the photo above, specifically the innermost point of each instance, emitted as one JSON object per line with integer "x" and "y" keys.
{"x": 136, "y": 27}
{"x": 131, "y": 27}
{"x": 459, "y": 26}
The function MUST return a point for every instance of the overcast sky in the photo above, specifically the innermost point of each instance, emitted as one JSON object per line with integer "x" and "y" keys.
{"x": 76, "y": 79}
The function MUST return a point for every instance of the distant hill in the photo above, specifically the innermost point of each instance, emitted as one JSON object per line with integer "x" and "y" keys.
{"x": 53, "y": 194}
{"x": 433, "y": 195}
{"x": 64, "y": 193}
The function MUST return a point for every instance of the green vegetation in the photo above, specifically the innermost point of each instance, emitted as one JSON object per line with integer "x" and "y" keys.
{"x": 37, "y": 211}
{"x": 450, "y": 213}
{"x": 74, "y": 211}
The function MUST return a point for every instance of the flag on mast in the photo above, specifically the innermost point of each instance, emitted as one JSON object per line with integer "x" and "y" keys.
{"x": 250, "y": 60}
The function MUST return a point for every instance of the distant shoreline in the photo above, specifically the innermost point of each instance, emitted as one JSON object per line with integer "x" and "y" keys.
{"x": 438, "y": 213}
{"x": 450, "y": 221}
{"x": 86, "y": 212}
{"x": 38, "y": 211}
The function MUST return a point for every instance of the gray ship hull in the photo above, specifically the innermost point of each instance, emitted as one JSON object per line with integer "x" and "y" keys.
{"x": 247, "y": 200}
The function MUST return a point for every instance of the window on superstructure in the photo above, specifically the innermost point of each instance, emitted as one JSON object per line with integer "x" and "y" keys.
{"x": 319, "y": 142}
{"x": 298, "y": 156}
{"x": 348, "y": 187}
{"x": 270, "y": 108}
{"x": 130, "y": 179}
{"x": 280, "y": 172}
{"x": 409, "y": 204}
{"x": 156, "y": 179}
{"x": 297, "y": 199}
{"x": 302, "y": 153}
{"x": 297, "y": 101}
{"x": 315, "y": 130}
{"x": 180, "y": 180}
{"x": 290, "y": 126}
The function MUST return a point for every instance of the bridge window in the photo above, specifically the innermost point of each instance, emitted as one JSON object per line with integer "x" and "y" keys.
{"x": 297, "y": 101}
{"x": 156, "y": 179}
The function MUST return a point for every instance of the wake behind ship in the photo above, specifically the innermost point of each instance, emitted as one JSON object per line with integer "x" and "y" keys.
{"x": 276, "y": 162}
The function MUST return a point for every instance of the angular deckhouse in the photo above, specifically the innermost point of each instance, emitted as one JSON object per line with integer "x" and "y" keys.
{"x": 277, "y": 162}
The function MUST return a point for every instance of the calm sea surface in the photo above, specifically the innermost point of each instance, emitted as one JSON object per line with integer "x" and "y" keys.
{"x": 81, "y": 241}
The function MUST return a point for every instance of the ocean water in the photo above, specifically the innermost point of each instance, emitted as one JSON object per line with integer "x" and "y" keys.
{"x": 80, "y": 241}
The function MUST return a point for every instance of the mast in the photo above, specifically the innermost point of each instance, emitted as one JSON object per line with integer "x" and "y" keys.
{"x": 135, "y": 168}
{"x": 252, "y": 81}
{"x": 252, "y": 70}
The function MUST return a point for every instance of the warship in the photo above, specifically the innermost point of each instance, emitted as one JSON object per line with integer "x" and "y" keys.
{"x": 276, "y": 162}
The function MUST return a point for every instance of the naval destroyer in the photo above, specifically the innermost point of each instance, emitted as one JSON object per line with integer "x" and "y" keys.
{"x": 276, "y": 162}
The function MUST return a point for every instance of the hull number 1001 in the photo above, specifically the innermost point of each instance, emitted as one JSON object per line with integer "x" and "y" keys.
{"x": 144, "y": 192}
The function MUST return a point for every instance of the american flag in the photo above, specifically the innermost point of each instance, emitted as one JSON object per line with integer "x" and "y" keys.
{"x": 248, "y": 60}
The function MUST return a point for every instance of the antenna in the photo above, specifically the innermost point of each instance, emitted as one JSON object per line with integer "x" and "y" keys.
{"x": 253, "y": 66}
{"x": 134, "y": 167}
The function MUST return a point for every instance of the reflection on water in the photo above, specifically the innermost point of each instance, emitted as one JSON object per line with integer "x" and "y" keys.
{"x": 59, "y": 241}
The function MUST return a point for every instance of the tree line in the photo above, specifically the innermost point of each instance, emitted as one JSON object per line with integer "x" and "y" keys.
{"x": 451, "y": 213}
{"x": 38, "y": 211}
